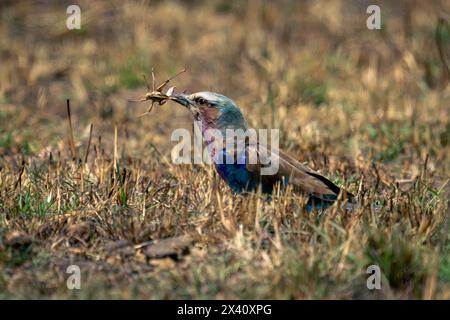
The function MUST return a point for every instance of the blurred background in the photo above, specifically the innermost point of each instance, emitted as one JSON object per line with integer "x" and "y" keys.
{"x": 370, "y": 109}
{"x": 311, "y": 68}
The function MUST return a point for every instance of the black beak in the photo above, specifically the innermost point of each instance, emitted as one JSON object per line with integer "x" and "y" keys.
{"x": 182, "y": 99}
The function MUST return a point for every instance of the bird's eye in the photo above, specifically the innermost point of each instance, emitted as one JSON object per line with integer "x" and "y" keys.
{"x": 201, "y": 101}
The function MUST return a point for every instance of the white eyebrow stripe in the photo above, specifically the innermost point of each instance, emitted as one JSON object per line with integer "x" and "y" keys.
{"x": 206, "y": 95}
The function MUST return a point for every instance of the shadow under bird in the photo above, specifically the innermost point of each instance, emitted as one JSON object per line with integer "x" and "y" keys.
{"x": 215, "y": 111}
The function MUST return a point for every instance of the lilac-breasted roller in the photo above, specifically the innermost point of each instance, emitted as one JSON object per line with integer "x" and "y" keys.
{"x": 217, "y": 112}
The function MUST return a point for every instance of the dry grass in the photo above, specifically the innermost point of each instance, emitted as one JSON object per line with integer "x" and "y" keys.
{"x": 369, "y": 109}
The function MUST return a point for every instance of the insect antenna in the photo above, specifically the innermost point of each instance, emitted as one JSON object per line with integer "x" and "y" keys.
{"x": 146, "y": 82}
{"x": 162, "y": 85}
{"x": 153, "y": 78}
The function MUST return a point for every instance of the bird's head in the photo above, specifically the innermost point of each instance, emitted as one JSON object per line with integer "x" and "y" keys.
{"x": 214, "y": 110}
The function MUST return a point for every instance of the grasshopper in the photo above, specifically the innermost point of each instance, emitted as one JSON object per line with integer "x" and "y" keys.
{"x": 156, "y": 94}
